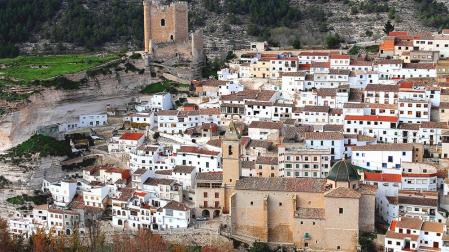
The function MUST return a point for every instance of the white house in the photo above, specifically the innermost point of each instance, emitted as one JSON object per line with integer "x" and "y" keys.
{"x": 173, "y": 215}
{"x": 127, "y": 142}
{"x": 378, "y": 157}
{"x": 388, "y": 186}
{"x": 414, "y": 234}
{"x": 419, "y": 176}
{"x": 155, "y": 102}
{"x": 62, "y": 192}
{"x": 93, "y": 120}
{"x": 202, "y": 159}
{"x": 334, "y": 141}
{"x": 265, "y": 130}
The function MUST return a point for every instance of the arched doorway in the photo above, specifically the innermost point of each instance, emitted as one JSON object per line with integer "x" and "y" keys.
{"x": 119, "y": 222}
{"x": 216, "y": 213}
{"x": 67, "y": 232}
{"x": 205, "y": 213}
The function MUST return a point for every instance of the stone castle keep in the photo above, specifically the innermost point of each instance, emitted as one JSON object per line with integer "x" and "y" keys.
{"x": 166, "y": 35}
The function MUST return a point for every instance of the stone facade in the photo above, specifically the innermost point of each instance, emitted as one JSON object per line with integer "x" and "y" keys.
{"x": 164, "y": 24}
{"x": 318, "y": 214}
{"x": 167, "y": 39}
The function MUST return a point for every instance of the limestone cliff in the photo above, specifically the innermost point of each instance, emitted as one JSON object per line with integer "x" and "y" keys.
{"x": 54, "y": 106}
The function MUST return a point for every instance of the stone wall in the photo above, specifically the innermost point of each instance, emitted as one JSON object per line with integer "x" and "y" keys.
{"x": 165, "y": 23}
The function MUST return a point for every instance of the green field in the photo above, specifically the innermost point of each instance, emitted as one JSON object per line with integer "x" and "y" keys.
{"x": 28, "y": 68}
{"x": 165, "y": 86}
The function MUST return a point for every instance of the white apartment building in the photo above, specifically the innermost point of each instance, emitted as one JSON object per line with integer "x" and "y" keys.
{"x": 304, "y": 162}
{"x": 334, "y": 141}
{"x": 378, "y": 157}
{"x": 202, "y": 159}
{"x": 177, "y": 122}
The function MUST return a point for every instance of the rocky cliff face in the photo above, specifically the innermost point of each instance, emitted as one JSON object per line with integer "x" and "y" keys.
{"x": 55, "y": 106}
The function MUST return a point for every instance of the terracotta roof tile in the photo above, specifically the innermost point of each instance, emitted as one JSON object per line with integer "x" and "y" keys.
{"x": 266, "y": 125}
{"x": 210, "y": 176}
{"x": 323, "y": 136}
{"x": 183, "y": 169}
{"x": 382, "y": 177}
{"x": 176, "y": 206}
{"x": 282, "y": 184}
{"x": 384, "y": 147}
{"x": 131, "y": 136}
{"x": 343, "y": 192}
{"x": 267, "y": 160}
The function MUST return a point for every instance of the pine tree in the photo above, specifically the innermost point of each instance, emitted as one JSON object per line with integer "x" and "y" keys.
{"x": 388, "y": 27}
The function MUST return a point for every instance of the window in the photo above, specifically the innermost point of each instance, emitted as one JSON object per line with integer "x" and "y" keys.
{"x": 230, "y": 150}
{"x": 280, "y": 203}
{"x": 340, "y": 210}
{"x": 217, "y": 195}
{"x": 251, "y": 203}
{"x": 205, "y": 194}
{"x": 162, "y": 22}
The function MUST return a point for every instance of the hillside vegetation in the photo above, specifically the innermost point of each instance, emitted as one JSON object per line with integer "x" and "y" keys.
{"x": 42, "y": 26}
{"x": 29, "y": 68}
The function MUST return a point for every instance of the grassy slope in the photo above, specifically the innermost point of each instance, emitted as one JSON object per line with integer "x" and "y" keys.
{"x": 45, "y": 145}
{"x": 28, "y": 68}
{"x": 165, "y": 85}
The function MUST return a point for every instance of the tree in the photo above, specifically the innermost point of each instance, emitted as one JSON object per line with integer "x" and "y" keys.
{"x": 354, "y": 50}
{"x": 333, "y": 41}
{"x": 296, "y": 44}
{"x": 259, "y": 247}
{"x": 6, "y": 242}
{"x": 388, "y": 27}
{"x": 144, "y": 240}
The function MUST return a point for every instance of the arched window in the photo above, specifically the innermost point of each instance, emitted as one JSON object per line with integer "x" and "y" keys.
{"x": 230, "y": 150}
{"x": 162, "y": 22}
{"x": 171, "y": 37}
{"x": 119, "y": 222}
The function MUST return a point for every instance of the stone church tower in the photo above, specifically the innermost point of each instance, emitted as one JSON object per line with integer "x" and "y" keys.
{"x": 231, "y": 151}
{"x": 164, "y": 24}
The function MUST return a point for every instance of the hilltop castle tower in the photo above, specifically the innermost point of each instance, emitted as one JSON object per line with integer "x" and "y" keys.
{"x": 164, "y": 24}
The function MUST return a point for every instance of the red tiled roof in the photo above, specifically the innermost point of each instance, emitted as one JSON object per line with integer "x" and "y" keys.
{"x": 313, "y": 54}
{"x": 386, "y": 177}
{"x": 419, "y": 175}
{"x": 131, "y": 136}
{"x": 406, "y": 84}
{"x": 196, "y": 150}
{"x": 140, "y": 194}
{"x": 398, "y": 33}
{"x": 340, "y": 56}
{"x": 372, "y": 118}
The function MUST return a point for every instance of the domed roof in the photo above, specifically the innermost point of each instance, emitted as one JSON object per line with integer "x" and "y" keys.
{"x": 343, "y": 170}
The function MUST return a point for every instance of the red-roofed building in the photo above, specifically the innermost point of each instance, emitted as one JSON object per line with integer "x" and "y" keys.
{"x": 127, "y": 136}
{"x": 127, "y": 142}
{"x": 340, "y": 61}
{"x": 382, "y": 177}
{"x": 372, "y": 118}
